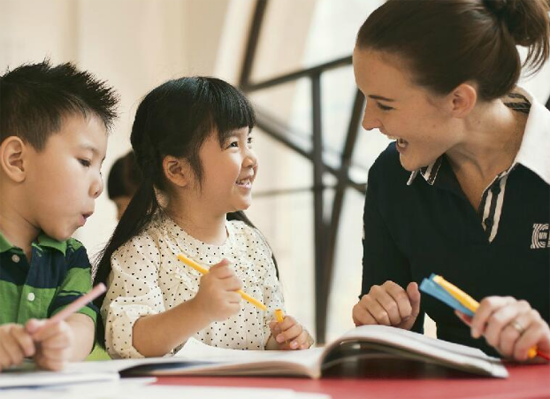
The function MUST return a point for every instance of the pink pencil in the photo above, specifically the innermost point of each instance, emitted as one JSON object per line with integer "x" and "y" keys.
{"x": 76, "y": 305}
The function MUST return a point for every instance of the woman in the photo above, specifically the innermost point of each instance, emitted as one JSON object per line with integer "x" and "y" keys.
{"x": 464, "y": 192}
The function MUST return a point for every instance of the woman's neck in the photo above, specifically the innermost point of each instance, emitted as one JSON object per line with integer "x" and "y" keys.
{"x": 198, "y": 221}
{"x": 492, "y": 138}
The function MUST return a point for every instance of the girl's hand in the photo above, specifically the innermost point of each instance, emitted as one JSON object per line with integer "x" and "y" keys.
{"x": 15, "y": 345}
{"x": 54, "y": 343}
{"x": 290, "y": 335}
{"x": 388, "y": 304}
{"x": 512, "y": 327}
{"x": 217, "y": 296}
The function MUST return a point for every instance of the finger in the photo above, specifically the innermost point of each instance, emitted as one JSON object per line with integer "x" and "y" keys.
{"x": 508, "y": 339}
{"x": 414, "y": 297}
{"x": 300, "y": 340}
{"x": 289, "y": 334}
{"x": 486, "y": 308}
{"x": 501, "y": 318}
{"x": 536, "y": 332}
{"x": 361, "y": 316}
{"x": 12, "y": 354}
{"x": 401, "y": 299}
{"x": 24, "y": 341}
{"x": 234, "y": 298}
{"x": 46, "y": 331}
{"x": 232, "y": 283}
{"x": 33, "y": 325}
{"x": 287, "y": 323}
{"x": 53, "y": 354}
{"x": 375, "y": 307}
{"x": 377, "y": 311}
{"x": 466, "y": 319}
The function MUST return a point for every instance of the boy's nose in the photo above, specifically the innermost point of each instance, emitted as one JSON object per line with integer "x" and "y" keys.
{"x": 97, "y": 188}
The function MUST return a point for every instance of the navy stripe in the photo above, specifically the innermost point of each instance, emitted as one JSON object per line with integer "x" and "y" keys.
{"x": 61, "y": 301}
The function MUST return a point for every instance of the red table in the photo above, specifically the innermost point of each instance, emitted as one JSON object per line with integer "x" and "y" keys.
{"x": 408, "y": 380}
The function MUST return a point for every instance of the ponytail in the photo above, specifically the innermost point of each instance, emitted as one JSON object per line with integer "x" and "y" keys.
{"x": 138, "y": 215}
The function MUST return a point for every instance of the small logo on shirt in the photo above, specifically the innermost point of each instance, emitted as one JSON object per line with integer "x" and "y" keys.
{"x": 540, "y": 237}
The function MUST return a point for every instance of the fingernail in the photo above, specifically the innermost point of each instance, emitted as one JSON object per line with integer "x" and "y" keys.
{"x": 294, "y": 344}
{"x": 280, "y": 338}
{"x": 475, "y": 333}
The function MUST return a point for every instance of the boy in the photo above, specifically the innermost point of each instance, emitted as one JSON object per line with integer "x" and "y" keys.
{"x": 53, "y": 139}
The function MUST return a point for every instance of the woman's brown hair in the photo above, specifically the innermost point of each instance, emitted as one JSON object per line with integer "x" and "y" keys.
{"x": 448, "y": 42}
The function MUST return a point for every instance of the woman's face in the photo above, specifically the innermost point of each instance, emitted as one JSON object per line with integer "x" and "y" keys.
{"x": 421, "y": 122}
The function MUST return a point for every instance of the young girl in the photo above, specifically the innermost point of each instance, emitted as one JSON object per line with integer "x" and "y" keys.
{"x": 192, "y": 140}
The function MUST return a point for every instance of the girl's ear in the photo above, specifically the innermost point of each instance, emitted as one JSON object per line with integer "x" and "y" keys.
{"x": 463, "y": 100}
{"x": 177, "y": 170}
{"x": 12, "y": 156}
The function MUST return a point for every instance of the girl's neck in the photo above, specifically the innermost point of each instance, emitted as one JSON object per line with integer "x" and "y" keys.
{"x": 198, "y": 222}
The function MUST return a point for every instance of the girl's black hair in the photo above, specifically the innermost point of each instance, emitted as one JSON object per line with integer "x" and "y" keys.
{"x": 173, "y": 119}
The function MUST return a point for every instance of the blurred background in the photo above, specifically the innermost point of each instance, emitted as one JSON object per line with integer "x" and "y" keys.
{"x": 293, "y": 59}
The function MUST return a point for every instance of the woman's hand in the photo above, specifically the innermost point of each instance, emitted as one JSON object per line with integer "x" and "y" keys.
{"x": 290, "y": 335}
{"x": 511, "y": 326}
{"x": 390, "y": 305}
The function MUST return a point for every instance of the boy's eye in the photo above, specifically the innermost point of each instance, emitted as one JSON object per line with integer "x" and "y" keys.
{"x": 234, "y": 144}
{"x": 85, "y": 163}
{"x": 384, "y": 107}
{"x": 250, "y": 140}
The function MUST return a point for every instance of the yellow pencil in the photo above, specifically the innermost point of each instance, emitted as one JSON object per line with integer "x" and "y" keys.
{"x": 279, "y": 314}
{"x": 202, "y": 270}
{"x": 469, "y": 302}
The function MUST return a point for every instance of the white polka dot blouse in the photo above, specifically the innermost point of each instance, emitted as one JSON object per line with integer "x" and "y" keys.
{"x": 147, "y": 278}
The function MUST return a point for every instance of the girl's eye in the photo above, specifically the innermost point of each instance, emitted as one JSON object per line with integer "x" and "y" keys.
{"x": 85, "y": 163}
{"x": 384, "y": 107}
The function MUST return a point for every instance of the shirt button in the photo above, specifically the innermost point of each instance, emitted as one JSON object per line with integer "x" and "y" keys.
{"x": 488, "y": 222}
{"x": 15, "y": 258}
{"x": 31, "y": 296}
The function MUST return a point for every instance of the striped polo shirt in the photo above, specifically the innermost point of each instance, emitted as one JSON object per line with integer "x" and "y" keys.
{"x": 420, "y": 223}
{"x": 59, "y": 273}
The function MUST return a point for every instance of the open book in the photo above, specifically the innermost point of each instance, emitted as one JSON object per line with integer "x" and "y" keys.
{"x": 370, "y": 342}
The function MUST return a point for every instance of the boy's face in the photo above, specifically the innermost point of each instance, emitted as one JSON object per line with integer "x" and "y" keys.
{"x": 64, "y": 179}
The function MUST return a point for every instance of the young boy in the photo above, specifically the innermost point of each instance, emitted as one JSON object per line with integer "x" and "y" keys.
{"x": 53, "y": 139}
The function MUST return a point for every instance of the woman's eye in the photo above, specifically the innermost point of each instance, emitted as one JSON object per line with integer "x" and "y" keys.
{"x": 384, "y": 107}
{"x": 85, "y": 163}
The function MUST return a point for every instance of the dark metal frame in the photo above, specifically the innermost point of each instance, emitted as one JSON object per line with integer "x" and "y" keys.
{"x": 325, "y": 230}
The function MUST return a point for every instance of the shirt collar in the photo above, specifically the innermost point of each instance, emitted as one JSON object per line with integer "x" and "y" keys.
{"x": 533, "y": 151}
{"x": 43, "y": 241}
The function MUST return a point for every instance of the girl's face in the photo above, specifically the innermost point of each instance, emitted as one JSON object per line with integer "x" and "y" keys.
{"x": 420, "y": 121}
{"x": 229, "y": 171}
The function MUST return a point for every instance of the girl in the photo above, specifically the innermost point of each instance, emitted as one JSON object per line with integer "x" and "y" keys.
{"x": 464, "y": 190}
{"x": 192, "y": 140}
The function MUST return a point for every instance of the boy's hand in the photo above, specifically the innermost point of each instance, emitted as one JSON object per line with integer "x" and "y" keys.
{"x": 389, "y": 305}
{"x": 217, "y": 296}
{"x": 290, "y": 335}
{"x": 15, "y": 345}
{"x": 54, "y": 343}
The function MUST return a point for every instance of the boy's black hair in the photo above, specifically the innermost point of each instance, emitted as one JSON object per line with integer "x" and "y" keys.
{"x": 34, "y": 99}
{"x": 173, "y": 119}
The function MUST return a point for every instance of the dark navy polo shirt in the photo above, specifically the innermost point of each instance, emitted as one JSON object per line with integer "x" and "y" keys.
{"x": 419, "y": 224}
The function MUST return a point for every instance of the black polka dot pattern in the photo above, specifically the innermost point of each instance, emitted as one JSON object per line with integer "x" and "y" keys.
{"x": 147, "y": 278}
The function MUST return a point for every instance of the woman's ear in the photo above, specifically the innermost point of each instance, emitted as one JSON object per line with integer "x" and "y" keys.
{"x": 177, "y": 170}
{"x": 12, "y": 156}
{"x": 463, "y": 100}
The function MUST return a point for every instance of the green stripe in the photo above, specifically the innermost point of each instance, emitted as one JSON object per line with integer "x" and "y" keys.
{"x": 9, "y": 298}
{"x": 77, "y": 279}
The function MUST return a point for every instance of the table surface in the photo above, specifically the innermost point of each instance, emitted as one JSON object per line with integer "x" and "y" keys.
{"x": 405, "y": 379}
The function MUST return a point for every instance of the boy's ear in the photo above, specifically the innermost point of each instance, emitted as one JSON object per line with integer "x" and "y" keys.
{"x": 177, "y": 170}
{"x": 463, "y": 100}
{"x": 12, "y": 153}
